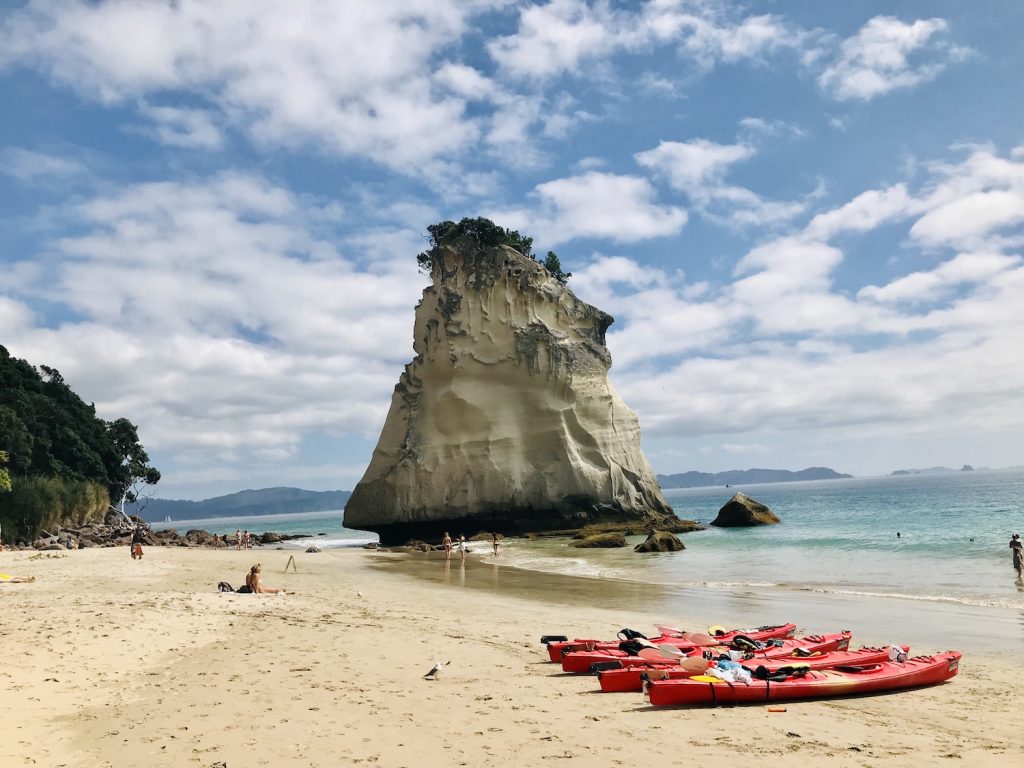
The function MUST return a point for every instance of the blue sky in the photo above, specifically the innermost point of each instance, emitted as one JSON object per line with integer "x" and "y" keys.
{"x": 805, "y": 217}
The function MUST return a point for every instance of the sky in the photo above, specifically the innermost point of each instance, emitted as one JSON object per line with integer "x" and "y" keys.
{"x": 806, "y": 218}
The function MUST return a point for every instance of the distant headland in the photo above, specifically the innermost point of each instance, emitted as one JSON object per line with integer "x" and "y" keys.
{"x": 266, "y": 501}
{"x": 746, "y": 476}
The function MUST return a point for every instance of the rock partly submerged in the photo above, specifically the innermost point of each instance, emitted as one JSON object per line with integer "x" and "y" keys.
{"x": 742, "y": 511}
{"x": 660, "y": 541}
{"x": 505, "y": 419}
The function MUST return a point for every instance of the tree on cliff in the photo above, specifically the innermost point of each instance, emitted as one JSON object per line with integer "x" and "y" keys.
{"x": 484, "y": 231}
{"x": 554, "y": 266}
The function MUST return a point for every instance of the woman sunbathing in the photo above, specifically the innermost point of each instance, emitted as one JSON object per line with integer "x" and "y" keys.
{"x": 252, "y": 581}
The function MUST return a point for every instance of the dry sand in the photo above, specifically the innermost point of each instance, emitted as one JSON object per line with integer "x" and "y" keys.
{"x": 111, "y": 662}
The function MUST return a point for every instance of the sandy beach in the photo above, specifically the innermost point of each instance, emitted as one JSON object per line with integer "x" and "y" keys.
{"x": 110, "y": 662}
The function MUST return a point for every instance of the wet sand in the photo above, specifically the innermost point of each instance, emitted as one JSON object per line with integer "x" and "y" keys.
{"x": 926, "y": 625}
{"x": 110, "y": 662}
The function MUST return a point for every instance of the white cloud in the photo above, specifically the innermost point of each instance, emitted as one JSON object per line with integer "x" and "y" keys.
{"x": 969, "y": 217}
{"x": 188, "y": 128}
{"x": 619, "y": 208}
{"x": 864, "y": 213}
{"x": 221, "y": 315}
{"x": 927, "y": 286}
{"x": 30, "y": 166}
{"x": 698, "y": 167}
{"x": 888, "y": 54}
{"x": 349, "y": 77}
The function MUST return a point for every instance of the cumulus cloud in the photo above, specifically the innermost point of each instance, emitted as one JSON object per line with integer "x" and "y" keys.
{"x": 351, "y": 77}
{"x": 783, "y": 346}
{"x": 179, "y": 127}
{"x": 30, "y": 166}
{"x": 220, "y": 314}
{"x": 889, "y": 54}
{"x": 698, "y": 169}
{"x": 619, "y": 208}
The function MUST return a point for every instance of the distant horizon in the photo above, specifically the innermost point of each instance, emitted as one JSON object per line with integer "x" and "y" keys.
{"x": 852, "y": 476}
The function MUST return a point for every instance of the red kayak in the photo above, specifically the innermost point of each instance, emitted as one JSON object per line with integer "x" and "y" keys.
{"x": 631, "y": 678}
{"x": 814, "y": 684}
{"x": 558, "y": 645}
{"x": 582, "y": 661}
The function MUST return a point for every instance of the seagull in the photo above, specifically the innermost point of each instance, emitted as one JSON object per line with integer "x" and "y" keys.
{"x": 436, "y": 670}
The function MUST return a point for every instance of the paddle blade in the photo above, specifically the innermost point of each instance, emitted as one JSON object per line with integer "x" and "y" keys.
{"x": 668, "y": 631}
{"x": 670, "y": 651}
{"x": 651, "y": 654}
{"x": 701, "y": 638}
{"x": 695, "y": 665}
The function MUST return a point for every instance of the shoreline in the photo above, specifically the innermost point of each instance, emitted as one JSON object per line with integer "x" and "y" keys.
{"x": 116, "y": 663}
{"x": 875, "y": 620}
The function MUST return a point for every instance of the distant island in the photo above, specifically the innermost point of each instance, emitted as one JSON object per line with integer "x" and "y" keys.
{"x": 934, "y": 470}
{"x": 746, "y": 476}
{"x": 267, "y": 501}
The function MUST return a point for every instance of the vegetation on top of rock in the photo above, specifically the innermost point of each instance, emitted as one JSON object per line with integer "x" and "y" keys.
{"x": 49, "y": 433}
{"x": 488, "y": 235}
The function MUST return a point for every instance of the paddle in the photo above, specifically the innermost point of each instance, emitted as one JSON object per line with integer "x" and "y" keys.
{"x": 695, "y": 665}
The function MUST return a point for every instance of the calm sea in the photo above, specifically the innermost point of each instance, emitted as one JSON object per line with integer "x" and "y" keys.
{"x": 836, "y": 537}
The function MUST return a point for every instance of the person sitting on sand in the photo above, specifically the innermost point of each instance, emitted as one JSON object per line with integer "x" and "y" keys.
{"x": 252, "y": 581}
{"x": 1018, "y": 554}
{"x": 446, "y": 542}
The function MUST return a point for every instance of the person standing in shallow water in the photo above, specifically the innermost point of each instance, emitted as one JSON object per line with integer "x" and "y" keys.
{"x": 1018, "y": 554}
{"x": 462, "y": 547}
{"x": 446, "y": 542}
{"x": 494, "y": 542}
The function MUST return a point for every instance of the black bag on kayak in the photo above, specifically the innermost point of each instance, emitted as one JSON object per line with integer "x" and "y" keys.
{"x": 630, "y": 634}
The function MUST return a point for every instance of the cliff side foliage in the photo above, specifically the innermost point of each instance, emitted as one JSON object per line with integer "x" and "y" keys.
{"x": 48, "y": 433}
{"x": 488, "y": 235}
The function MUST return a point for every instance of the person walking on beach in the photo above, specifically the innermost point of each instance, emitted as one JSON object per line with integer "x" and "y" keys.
{"x": 446, "y": 542}
{"x": 1018, "y": 554}
{"x": 238, "y": 538}
{"x": 137, "y": 543}
{"x": 246, "y": 541}
{"x": 494, "y": 542}
{"x": 462, "y": 547}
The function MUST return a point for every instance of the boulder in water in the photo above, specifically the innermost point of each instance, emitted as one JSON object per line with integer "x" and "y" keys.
{"x": 660, "y": 541}
{"x": 742, "y": 511}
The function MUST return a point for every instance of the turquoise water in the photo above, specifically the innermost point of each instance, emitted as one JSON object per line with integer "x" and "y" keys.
{"x": 836, "y": 537}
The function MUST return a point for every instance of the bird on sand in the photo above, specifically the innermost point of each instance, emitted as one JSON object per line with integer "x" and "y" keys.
{"x": 436, "y": 670}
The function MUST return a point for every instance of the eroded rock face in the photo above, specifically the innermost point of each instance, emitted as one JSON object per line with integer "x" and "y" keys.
{"x": 505, "y": 420}
{"x": 741, "y": 511}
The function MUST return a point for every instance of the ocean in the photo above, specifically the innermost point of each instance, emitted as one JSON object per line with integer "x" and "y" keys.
{"x": 834, "y": 559}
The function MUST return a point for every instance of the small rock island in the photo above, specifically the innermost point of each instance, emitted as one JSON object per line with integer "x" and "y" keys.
{"x": 505, "y": 419}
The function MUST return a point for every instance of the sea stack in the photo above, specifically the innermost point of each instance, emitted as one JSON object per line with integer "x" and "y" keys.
{"x": 505, "y": 419}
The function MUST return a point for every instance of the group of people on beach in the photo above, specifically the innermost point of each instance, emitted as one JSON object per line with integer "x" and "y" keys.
{"x": 1017, "y": 549}
{"x": 243, "y": 540}
{"x": 446, "y": 543}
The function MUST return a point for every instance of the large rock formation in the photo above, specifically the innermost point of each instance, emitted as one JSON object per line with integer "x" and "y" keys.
{"x": 742, "y": 511}
{"x": 505, "y": 419}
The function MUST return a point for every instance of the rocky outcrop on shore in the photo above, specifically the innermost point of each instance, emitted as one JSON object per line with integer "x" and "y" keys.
{"x": 742, "y": 511}
{"x": 505, "y": 420}
{"x": 660, "y": 541}
{"x": 117, "y": 531}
